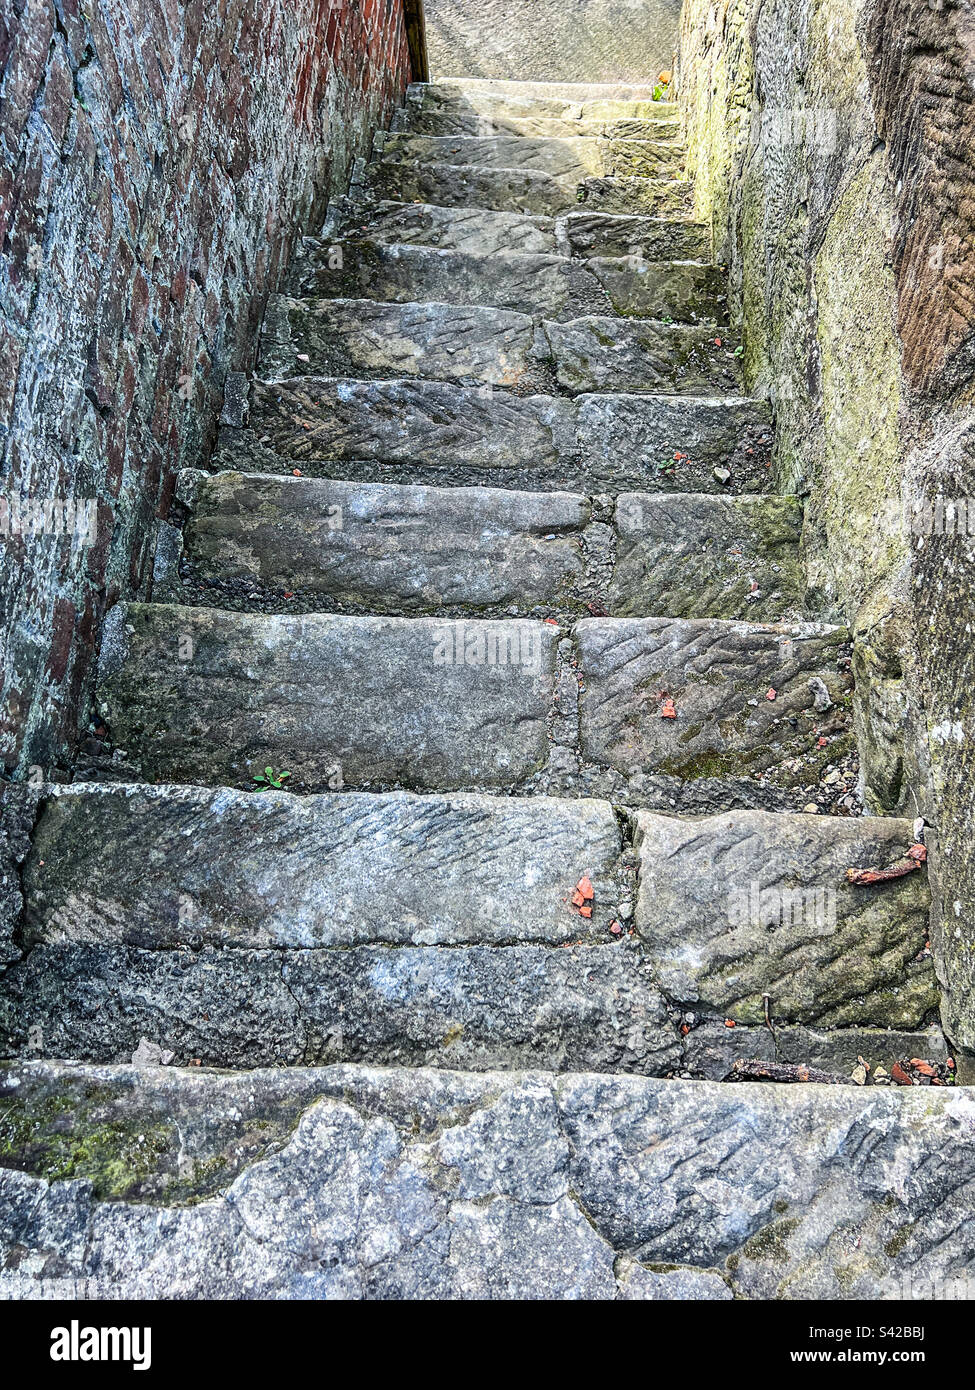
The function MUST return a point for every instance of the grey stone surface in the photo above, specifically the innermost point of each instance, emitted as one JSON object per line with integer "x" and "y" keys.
{"x": 650, "y": 238}
{"x": 691, "y": 555}
{"x": 416, "y": 425}
{"x": 438, "y": 432}
{"x": 383, "y": 548}
{"x": 575, "y": 157}
{"x": 588, "y": 1007}
{"x": 473, "y": 230}
{"x": 597, "y": 353}
{"x": 18, "y": 811}
{"x": 735, "y": 908}
{"x": 526, "y": 284}
{"x": 632, "y": 441}
{"x": 360, "y": 1183}
{"x": 165, "y": 867}
{"x": 719, "y": 675}
{"x": 586, "y": 42}
{"x": 522, "y": 190}
{"x": 441, "y": 110}
{"x": 661, "y": 289}
{"x": 198, "y": 695}
{"x": 357, "y": 338}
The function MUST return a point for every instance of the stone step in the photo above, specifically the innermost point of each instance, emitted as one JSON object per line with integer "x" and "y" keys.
{"x": 745, "y": 695}
{"x": 467, "y": 88}
{"x": 750, "y": 909}
{"x": 548, "y": 285}
{"x": 633, "y": 121}
{"x": 203, "y": 696}
{"x": 170, "y": 867}
{"x": 479, "y": 231}
{"x": 577, "y": 157}
{"x": 383, "y": 548}
{"x": 424, "y": 431}
{"x": 522, "y": 190}
{"x": 452, "y": 102}
{"x": 712, "y": 1049}
{"x": 393, "y": 549}
{"x": 359, "y": 1183}
{"x": 497, "y": 347}
{"x": 207, "y": 696}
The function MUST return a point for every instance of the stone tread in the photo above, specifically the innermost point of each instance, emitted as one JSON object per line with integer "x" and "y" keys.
{"x": 358, "y": 1183}
{"x": 395, "y": 549}
{"x": 577, "y": 157}
{"x": 359, "y": 338}
{"x": 525, "y": 191}
{"x": 441, "y": 432}
{"x": 524, "y": 282}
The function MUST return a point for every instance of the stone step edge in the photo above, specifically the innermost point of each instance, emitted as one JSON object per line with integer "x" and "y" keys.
{"x": 526, "y": 259}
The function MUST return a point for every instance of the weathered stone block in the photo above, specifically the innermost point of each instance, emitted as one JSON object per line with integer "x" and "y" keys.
{"x": 750, "y": 907}
{"x": 168, "y": 867}
{"x": 607, "y": 354}
{"x": 686, "y": 555}
{"x": 745, "y": 694}
{"x": 199, "y": 695}
{"x": 389, "y": 549}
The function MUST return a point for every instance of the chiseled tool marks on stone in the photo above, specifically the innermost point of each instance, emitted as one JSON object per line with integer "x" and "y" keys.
{"x": 588, "y": 1007}
{"x": 388, "y": 548}
{"x": 199, "y": 695}
{"x": 720, "y": 675}
{"x": 574, "y": 157}
{"x": 590, "y": 234}
{"x": 688, "y": 555}
{"x": 597, "y": 353}
{"x": 427, "y": 423}
{"x": 436, "y": 1185}
{"x": 429, "y": 428}
{"x": 359, "y": 338}
{"x": 164, "y": 867}
{"x": 477, "y": 231}
{"x": 739, "y": 907}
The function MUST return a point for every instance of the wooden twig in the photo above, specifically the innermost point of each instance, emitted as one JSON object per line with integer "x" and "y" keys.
{"x": 784, "y": 1071}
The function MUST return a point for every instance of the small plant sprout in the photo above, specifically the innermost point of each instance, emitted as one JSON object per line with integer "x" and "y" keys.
{"x": 270, "y": 779}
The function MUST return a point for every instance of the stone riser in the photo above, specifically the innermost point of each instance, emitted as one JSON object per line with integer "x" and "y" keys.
{"x": 477, "y": 231}
{"x": 383, "y": 548}
{"x": 358, "y": 338}
{"x": 577, "y": 158}
{"x": 523, "y": 191}
{"x": 421, "y": 431}
{"x": 256, "y": 929}
{"x": 547, "y": 286}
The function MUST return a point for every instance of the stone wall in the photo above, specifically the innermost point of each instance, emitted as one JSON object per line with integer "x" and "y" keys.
{"x": 552, "y": 40}
{"x": 833, "y": 144}
{"x": 158, "y": 158}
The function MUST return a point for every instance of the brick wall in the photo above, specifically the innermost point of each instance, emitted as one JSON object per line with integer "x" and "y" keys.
{"x": 158, "y": 159}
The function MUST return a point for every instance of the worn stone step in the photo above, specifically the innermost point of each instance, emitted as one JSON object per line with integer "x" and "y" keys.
{"x": 577, "y": 157}
{"x": 384, "y": 548}
{"x": 745, "y": 695}
{"x": 589, "y": 234}
{"x": 359, "y": 338}
{"x": 600, "y": 353}
{"x": 203, "y": 696}
{"x": 461, "y": 1186}
{"x": 523, "y": 190}
{"x": 481, "y": 1008}
{"x": 169, "y": 867}
{"x": 459, "y": 111}
{"x": 468, "y": 88}
{"x": 632, "y": 121}
{"x": 479, "y": 231}
{"x": 497, "y": 347}
{"x": 695, "y": 556}
{"x": 548, "y": 285}
{"x": 750, "y": 914}
{"x": 388, "y": 548}
{"x": 476, "y": 231}
{"x": 424, "y": 431}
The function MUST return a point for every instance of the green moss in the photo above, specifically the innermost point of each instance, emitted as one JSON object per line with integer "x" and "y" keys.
{"x": 897, "y": 1242}
{"x": 771, "y": 1243}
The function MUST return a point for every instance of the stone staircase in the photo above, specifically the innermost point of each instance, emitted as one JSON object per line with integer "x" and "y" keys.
{"x": 489, "y": 575}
